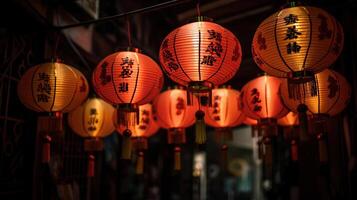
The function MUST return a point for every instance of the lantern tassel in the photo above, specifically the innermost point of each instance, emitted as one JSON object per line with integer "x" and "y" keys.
{"x": 126, "y": 145}
{"x": 260, "y": 149}
{"x": 303, "y": 121}
{"x": 200, "y": 127}
{"x": 268, "y": 157}
{"x": 224, "y": 156}
{"x": 296, "y": 87}
{"x": 177, "y": 162}
{"x": 46, "y": 149}
{"x": 294, "y": 150}
{"x": 91, "y": 165}
{"x": 322, "y": 148}
{"x": 268, "y": 154}
{"x": 127, "y": 118}
{"x": 140, "y": 163}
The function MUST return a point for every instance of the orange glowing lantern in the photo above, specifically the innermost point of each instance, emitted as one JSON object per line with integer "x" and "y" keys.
{"x": 127, "y": 79}
{"x": 53, "y": 88}
{"x": 254, "y": 125}
{"x": 291, "y": 119}
{"x": 146, "y": 127}
{"x": 93, "y": 121}
{"x": 289, "y": 123}
{"x": 249, "y": 121}
{"x": 296, "y": 43}
{"x": 174, "y": 114}
{"x": 333, "y": 94}
{"x": 223, "y": 115}
{"x": 200, "y": 55}
{"x": 260, "y": 100}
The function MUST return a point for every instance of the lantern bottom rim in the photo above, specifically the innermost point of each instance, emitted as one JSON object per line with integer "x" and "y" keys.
{"x": 200, "y": 86}
{"x": 302, "y": 76}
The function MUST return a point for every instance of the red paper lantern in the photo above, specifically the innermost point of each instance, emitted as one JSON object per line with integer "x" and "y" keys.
{"x": 289, "y": 123}
{"x": 260, "y": 99}
{"x": 200, "y": 55}
{"x": 127, "y": 79}
{"x": 224, "y": 113}
{"x": 146, "y": 127}
{"x": 53, "y": 88}
{"x": 93, "y": 121}
{"x": 249, "y": 121}
{"x": 291, "y": 119}
{"x": 174, "y": 114}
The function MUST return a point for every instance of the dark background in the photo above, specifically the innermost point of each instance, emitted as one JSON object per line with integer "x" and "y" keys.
{"x": 27, "y": 38}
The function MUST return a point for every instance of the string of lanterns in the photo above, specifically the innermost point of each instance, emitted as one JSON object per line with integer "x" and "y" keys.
{"x": 294, "y": 46}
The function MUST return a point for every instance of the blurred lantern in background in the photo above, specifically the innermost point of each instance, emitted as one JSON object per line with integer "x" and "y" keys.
{"x": 296, "y": 43}
{"x": 260, "y": 100}
{"x": 291, "y": 119}
{"x": 223, "y": 115}
{"x": 92, "y": 121}
{"x": 289, "y": 123}
{"x": 254, "y": 125}
{"x": 146, "y": 127}
{"x": 174, "y": 114}
{"x": 200, "y": 55}
{"x": 127, "y": 79}
{"x": 333, "y": 94}
{"x": 52, "y": 88}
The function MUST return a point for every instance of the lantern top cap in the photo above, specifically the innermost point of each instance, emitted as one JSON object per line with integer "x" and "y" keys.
{"x": 56, "y": 60}
{"x": 134, "y": 49}
{"x": 291, "y": 3}
{"x": 200, "y": 19}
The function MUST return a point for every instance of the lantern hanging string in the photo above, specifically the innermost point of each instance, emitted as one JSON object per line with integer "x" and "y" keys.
{"x": 198, "y": 8}
{"x": 128, "y": 31}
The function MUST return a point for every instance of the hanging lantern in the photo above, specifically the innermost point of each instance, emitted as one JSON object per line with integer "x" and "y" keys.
{"x": 291, "y": 119}
{"x": 333, "y": 96}
{"x": 92, "y": 121}
{"x": 254, "y": 125}
{"x": 223, "y": 115}
{"x": 200, "y": 55}
{"x": 127, "y": 79}
{"x": 289, "y": 123}
{"x": 333, "y": 92}
{"x": 260, "y": 100}
{"x": 53, "y": 88}
{"x": 146, "y": 127}
{"x": 296, "y": 43}
{"x": 174, "y": 114}
{"x": 249, "y": 121}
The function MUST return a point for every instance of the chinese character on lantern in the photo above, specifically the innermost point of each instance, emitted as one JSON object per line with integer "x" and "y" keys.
{"x": 43, "y": 88}
{"x": 126, "y": 67}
